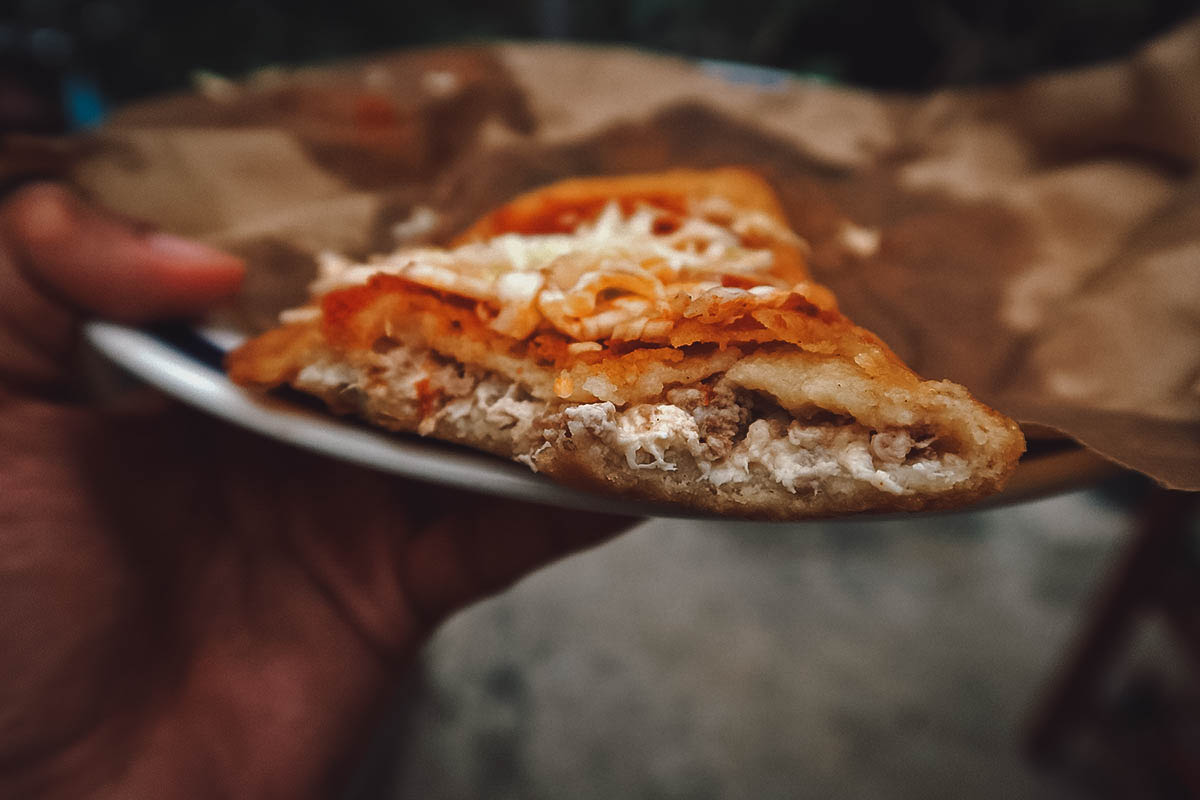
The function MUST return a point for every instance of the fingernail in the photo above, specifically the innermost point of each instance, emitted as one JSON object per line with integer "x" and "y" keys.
{"x": 180, "y": 249}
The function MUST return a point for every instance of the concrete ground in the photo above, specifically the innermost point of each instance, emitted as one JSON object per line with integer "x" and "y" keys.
{"x": 881, "y": 659}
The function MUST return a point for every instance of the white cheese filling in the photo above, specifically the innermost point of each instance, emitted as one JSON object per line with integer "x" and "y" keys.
{"x": 797, "y": 455}
{"x": 399, "y": 376}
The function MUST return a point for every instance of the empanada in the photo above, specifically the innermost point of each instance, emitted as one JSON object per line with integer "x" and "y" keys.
{"x": 652, "y": 336}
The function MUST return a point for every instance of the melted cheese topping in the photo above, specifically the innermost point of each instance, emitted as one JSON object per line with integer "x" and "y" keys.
{"x": 620, "y": 276}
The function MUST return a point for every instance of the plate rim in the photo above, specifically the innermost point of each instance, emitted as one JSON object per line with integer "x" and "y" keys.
{"x": 154, "y": 359}
{"x": 202, "y": 386}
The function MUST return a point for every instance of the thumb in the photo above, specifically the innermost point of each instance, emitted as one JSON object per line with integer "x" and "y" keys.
{"x": 102, "y": 265}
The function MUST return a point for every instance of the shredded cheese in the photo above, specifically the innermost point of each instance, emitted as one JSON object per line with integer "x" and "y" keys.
{"x": 620, "y": 276}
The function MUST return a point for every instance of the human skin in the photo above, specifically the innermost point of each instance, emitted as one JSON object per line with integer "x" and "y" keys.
{"x": 188, "y": 610}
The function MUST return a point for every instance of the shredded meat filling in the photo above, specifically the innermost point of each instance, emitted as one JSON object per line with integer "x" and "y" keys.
{"x": 722, "y": 416}
{"x": 898, "y": 446}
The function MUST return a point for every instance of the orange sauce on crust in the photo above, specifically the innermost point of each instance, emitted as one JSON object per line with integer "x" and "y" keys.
{"x": 358, "y": 316}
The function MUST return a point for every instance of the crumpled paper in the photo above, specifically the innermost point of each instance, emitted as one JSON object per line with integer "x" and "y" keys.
{"x": 1037, "y": 242}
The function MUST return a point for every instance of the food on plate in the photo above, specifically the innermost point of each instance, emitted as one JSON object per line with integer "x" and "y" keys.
{"x": 652, "y": 336}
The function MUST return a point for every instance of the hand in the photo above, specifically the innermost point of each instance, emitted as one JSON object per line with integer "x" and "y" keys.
{"x": 187, "y": 609}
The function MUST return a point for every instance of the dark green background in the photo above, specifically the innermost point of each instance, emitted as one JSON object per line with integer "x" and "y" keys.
{"x": 135, "y": 47}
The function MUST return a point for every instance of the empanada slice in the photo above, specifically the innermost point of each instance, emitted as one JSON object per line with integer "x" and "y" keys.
{"x": 653, "y": 337}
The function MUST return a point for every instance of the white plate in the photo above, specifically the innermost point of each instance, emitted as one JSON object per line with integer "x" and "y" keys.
{"x": 185, "y": 363}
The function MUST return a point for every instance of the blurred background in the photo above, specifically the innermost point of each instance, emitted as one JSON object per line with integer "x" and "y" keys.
{"x": 61, "y": 61}
{"x": 927, "y": 657}
{"x": 1011, "y": 652}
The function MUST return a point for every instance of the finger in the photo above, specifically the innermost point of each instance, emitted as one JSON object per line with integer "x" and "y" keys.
{"x": 486, "y": 547}
{"x": 60, "y": 258}
{"x": 99, "y": 264}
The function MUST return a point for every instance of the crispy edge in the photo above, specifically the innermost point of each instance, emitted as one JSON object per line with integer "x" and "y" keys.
{"x": 275, "y": 357}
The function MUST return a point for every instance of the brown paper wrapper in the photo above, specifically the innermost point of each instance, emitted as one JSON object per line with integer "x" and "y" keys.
{"x": 1038, "y": 243}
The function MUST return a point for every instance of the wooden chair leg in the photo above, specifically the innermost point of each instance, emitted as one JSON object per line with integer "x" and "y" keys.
{"x": 1128, "y": 590}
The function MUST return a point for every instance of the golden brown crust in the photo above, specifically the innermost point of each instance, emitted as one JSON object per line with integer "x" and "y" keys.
{"x": 273, "y": 358}
{"x": 589, "y": 462}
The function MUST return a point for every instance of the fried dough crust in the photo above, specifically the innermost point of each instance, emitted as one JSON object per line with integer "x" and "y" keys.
{"x": 767, "y": 332}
